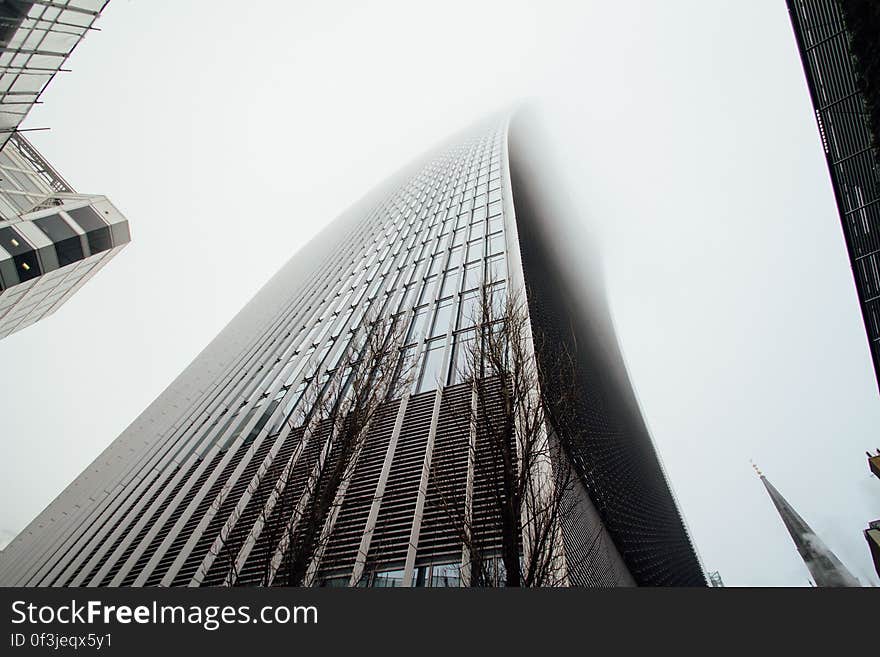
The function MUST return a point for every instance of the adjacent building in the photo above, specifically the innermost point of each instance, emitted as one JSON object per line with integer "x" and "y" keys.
{"x": 872, "y": 533}
{"x": 52, "y": 239}
{"x": 208, "y": 485}
{"x": 837, "y": 40}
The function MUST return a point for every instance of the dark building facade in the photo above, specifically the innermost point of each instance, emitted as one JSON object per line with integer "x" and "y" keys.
{"x": 839, "y": 81}
{"x": 199, "y": 489}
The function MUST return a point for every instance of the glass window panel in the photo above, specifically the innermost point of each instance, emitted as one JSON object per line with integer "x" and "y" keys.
{"x": 478, "y": 230}
{"x": 475, "y": 250}
{"x": 496, "y": 224}
{"x": 445, "y": 575}
{"x": 450, "y": 284}
{"x": 404, "y": 375}
{"x": 436, "y": 264}
{"x": 388, "y": 579}
{"x": 428, "y": 290}
{"x": 472, "y": 275}
{"x": 441, "y": 318}
{"x": 419, "y": 325}
{"x": 496, "y": 270}
{"x": 459, "y": 371}
{"x": 433, "y": 367}
{"x": 455, "y": 257}
{"x": 499, "y": 300}
{"x": 496, "y": 244}
{"x": 467, "y": 310}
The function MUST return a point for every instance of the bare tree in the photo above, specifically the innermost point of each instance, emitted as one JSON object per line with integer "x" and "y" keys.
{"x": 367, "y": 376}
{"x": 338, "y": 405}
{"x": 517, "y": 466}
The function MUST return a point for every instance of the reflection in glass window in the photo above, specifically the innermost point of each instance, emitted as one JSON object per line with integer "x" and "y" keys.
{"x": 475, "y": 250}
{"x": 388, "y": 579}
{"x": 496, "y": 270}
{"x": 460, "y": 357}
{"x": 455, "y": 258}
{"x": 405, "y": 368}
{"x": 335, "y": 582}
{"x": 436, "y": 265}
{"x": 496, "y": 244}
{"x": 441, "y": 318}
{"x": 420, "y": 575}
{"x": 427, "y": 294}
{"x": 450, "y": 284}
{"x": 445, "y": 575}
{"x": 97, "y": 232}
{"x": 67, "y": 244}
{"x": 478, "y": 229}
{"x": 419, "y": 325}
{"x": 409, "y": 297}
{"x": 433, "y": 366}
{"x": 499, "y": 300}
{"x": 472, "y": 275}
{"x": 467, "y": 312}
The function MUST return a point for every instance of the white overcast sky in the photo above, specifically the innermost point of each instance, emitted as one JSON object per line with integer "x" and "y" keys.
{"x": 229, "y": 133}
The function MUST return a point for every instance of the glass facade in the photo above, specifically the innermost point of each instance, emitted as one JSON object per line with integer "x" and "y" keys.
{"x": 52, "y": 239}
{"x": 193, "y": 492}
{"x": 37, "y": 38}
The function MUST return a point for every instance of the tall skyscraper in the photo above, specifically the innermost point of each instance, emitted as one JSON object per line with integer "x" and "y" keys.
{"x": 215, "y": 481}
{"x": 833, "y": 37}
{"x": 823, "y": 564}
{"x": 52, "y": 239}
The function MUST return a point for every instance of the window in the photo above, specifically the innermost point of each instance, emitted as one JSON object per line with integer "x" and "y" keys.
{"x": 461, "y": 356}
{"x": 419, "y": 324}
{"x": 478, "y": 229}
{"x": 97, "y": 232}
{"x": 405, "y": 369}
{"x": 388, "y": 579}
{"x": 467, "y": 312}
{"x": 433, "y": 366}
{"x": 472, "y": 275}
{"x": 496, "y": 244}
{"x": 445, "y": 575}
{"x": 23, "y": 255}
{"x": 427, "y": 295}
{"x": 335, "y": 582}
{"x": 450, "y": 284}
{"x": 441, "y": 318}
{"x": 496, "y": 269}
{"x": 475, "y": 250}
{"x": 67, "y": 245}
{"x": 455, "y": 258}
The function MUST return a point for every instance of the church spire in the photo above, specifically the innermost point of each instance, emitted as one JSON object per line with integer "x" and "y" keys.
{"x": 824, "y": 566}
